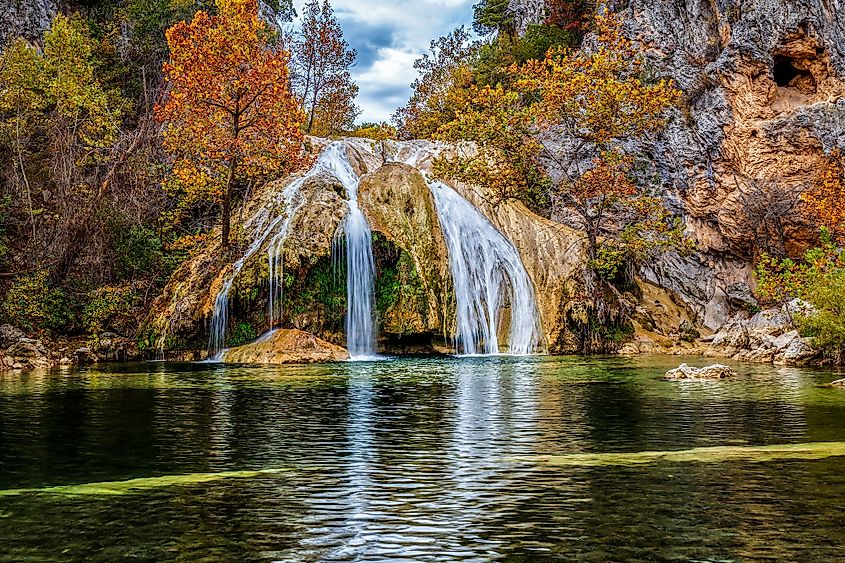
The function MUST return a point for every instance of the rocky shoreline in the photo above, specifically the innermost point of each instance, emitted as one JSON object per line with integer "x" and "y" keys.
{"x": 20, "y": 352}
{"x": 768, "y": 336}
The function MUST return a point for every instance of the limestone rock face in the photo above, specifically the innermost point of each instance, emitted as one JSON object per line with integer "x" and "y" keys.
{"x": 767, "y": 337}
{"x": 25, "y": 18}
{"x": 398, "y": 203}
{"x": 763, "y": 81}
{"x": 716, "y": 371}
{"x": 286, "y": 346}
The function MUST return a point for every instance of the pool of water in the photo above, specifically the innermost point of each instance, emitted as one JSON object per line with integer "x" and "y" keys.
{"x": 419, "y": 459}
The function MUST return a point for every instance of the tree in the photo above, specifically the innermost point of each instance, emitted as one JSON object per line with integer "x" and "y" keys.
{"x": 444, "y": 77}
{"x": 321, "y": 62}
{"x": 229, "y": 113}
{"x": 63, "y": 94}
{"x": 571, "y": 15}
{"x": 493, "y": 16}
{"x": 568, "y": 114}
{"x": 825, "y": 200}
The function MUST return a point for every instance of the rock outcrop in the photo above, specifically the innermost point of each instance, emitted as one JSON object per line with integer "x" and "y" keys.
{"x": 19, "y": 352}
{"x": 764, "y": 103}
{"x": 25, "y": 18}
{"x": 715, "y": 371}
{"x": 286, "y": 346}
{"x": 398, "y": 204}
{"x": 767, "y": 337}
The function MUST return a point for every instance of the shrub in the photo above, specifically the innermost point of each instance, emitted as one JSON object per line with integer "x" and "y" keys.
{"x": 110, "y": 308}
{"x": 243, "y": 334}
{"x": 137, "y": 251}
{"x": 827, "y": 324}
{"x": 32, "y": 304}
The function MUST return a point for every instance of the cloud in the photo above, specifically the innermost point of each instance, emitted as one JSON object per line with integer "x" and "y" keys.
{"x": 389, "y": 36}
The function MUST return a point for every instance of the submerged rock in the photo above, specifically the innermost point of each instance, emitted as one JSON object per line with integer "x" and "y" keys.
{"x": 286, "y": 346}
{"x": 715, "y": 371}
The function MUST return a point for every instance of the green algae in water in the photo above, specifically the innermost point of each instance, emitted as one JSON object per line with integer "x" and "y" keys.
{"x": 141, "y": 484}
{"x": 717, "y": 454}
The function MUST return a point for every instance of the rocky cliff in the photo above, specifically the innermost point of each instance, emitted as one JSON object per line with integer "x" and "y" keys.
{"x": 763, "y": 85}
{"x": 763, "y": 104}
{"x": 25, "y": 18}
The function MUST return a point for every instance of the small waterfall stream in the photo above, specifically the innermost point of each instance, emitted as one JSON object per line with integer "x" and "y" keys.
{"x": 488, "y": 276}
{"x": 360, "y": 266}
{"x": 262, "y": 225}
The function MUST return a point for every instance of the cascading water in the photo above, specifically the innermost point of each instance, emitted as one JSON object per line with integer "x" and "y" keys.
{"x": 360, "y": 266}
{"x": 488, "y": 274}
{"x": 360, "y": 322}
{"x": 262, "y": 225}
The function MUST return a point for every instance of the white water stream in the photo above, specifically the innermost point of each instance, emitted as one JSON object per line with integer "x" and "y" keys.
{"x": 490, "y": 281}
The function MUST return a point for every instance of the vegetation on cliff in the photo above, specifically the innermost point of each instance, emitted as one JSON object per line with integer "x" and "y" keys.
{"x": 88, "y": 237}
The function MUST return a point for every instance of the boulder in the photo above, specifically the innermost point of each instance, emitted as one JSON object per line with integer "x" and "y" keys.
{"x": 715, "y": 371}
{"x": 783, "y": 341}
{"x": 9, "y": 335}
{"x": 84, "y": 355}
{"x": 839, "y": 383}
{"x": 798, "y": 352}
{"x": 740, "y": 295}
{"x": 286, "y": 346}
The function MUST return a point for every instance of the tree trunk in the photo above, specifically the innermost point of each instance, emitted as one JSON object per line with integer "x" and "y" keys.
{"x": 227, "y": 201}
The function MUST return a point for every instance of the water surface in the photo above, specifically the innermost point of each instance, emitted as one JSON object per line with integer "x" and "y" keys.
{"x": 415, "y": 459}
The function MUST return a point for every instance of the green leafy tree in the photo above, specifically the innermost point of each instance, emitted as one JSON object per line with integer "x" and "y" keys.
{"x": 494, "y": 16}
{"x": 445, "y": 77}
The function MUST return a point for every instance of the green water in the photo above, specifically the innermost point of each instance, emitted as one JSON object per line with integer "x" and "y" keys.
{"x": 421, "y": 460}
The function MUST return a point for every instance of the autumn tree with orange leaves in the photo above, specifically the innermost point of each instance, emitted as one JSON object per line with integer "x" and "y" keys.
{"x": 229, "y": 114}
{"x": 824, "y": 202}
{"x": 555, "y": 137}
{"x": 321, "y": 62}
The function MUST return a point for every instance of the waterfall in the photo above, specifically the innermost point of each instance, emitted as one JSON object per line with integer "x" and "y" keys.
{"x": 360, "y": 266}
{"x": 488, "y": 274}
{"x": 263, "y": 226}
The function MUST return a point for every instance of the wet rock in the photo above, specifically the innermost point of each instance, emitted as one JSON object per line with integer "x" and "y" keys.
{"x": 286, "y": 346}
{"x": 398, "y": 204}
{"x": 715, "y": 371}
{"x": 840, "y": 383}
{"x": 84, "y": 356}
{"x": 799, "y": 352}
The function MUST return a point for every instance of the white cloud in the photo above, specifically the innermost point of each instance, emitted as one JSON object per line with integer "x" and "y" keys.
{"x": 389, "y": 35}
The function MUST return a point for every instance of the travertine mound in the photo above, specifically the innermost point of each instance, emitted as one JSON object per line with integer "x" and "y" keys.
{"x": 286, "y": 346}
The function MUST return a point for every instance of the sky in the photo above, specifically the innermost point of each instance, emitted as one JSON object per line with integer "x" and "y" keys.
{"x": 389, "y": 36}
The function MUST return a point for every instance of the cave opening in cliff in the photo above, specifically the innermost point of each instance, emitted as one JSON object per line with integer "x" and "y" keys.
{"x": 790, "y": 73}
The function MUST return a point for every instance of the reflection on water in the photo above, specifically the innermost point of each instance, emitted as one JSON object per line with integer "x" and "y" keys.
{"x": 424, "y": 459}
